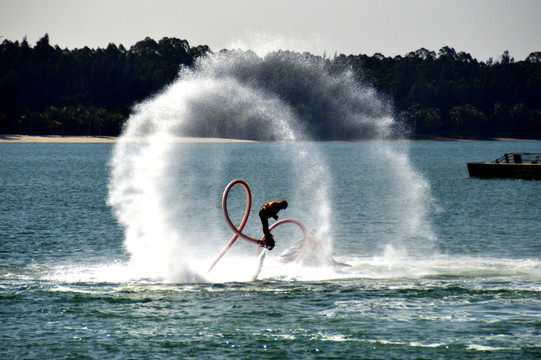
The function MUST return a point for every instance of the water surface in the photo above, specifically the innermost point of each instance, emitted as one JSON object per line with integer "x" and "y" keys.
{"x": 442, "y": 265}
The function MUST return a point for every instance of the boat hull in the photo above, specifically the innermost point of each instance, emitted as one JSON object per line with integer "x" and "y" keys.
{"x": 505, "y": 171}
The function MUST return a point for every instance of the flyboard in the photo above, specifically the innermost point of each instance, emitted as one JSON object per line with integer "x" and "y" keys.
{"x": 238, "y": 231}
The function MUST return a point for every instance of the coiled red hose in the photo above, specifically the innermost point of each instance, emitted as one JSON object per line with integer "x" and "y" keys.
{"x": 238, "y": 231}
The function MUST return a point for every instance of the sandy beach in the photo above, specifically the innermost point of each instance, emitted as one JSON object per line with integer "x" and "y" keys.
{"x": 97, "y": 139}
{"x": 113, "y": 139}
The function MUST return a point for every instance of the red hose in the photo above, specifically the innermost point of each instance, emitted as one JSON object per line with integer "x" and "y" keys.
{"x": 238, "y": 231}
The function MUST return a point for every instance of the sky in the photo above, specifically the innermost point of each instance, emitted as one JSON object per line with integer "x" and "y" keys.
{"x": 482, "y": 28}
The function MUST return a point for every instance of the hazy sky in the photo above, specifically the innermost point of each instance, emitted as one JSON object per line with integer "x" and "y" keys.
{"x": 483, "y": 28}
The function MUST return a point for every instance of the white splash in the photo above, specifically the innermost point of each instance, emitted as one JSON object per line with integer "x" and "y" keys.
{"x": 236, "y": 95}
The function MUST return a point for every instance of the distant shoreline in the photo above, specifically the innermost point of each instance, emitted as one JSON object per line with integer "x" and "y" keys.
{"x": 29, "y": 139}
{"x": 96, "y": 139}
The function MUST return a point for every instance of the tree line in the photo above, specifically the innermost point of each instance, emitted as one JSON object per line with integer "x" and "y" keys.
{"x": 453, "y": 95}
{"x": 49, "y": 90}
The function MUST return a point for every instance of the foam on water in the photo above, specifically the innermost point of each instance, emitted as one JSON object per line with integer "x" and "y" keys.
{"x": 482, "y": 273}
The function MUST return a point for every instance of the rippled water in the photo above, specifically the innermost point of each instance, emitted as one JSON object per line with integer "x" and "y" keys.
{"x": 461, "y": 281}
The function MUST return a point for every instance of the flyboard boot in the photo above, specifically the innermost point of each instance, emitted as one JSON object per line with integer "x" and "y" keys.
{"x": 267, "y": 243}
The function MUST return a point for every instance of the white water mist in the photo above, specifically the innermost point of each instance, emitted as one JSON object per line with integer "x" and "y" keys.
{"x": 412, "y": 203}
{"x": 231, "y": 95}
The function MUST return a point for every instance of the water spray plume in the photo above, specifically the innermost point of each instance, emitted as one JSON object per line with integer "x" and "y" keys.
{"x": 263, "y": 43}
{"x": 285, "y": 97}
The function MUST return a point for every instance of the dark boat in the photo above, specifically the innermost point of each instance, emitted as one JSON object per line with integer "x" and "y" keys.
{"x": 511, "y": 166}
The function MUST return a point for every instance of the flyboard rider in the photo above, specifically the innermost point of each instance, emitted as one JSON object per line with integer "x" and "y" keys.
{"x": 267, "y": 211}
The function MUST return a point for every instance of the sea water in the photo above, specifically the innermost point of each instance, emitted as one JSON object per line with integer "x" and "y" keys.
{"x": 438, "y": 265}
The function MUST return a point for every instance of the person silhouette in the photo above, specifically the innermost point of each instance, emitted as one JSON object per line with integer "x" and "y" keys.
{"x": 267, "y": 211}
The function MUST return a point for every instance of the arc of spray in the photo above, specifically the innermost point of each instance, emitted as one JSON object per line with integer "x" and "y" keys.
{"x": 238, "y": 231}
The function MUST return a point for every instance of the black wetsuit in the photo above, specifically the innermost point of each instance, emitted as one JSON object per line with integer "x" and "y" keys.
{"x": 269, "y": 210}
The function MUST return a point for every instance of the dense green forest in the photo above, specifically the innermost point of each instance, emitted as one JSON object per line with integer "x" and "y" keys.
{"x": 452, "y": 94}
{"x": 46, "y": 90}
